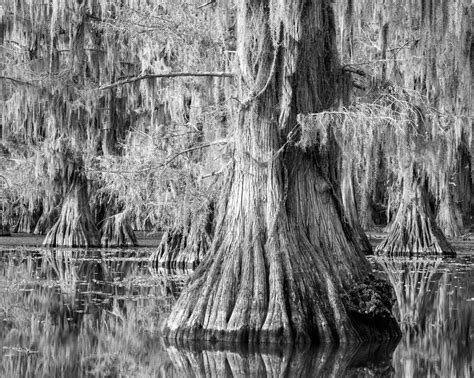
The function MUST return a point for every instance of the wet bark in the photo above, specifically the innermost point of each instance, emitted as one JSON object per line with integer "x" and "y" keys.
{"x": 414, "y": 229}
{"x": 283, "y": 267}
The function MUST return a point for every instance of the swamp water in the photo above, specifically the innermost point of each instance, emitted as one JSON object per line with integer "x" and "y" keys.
{"x": 98, "y": 313}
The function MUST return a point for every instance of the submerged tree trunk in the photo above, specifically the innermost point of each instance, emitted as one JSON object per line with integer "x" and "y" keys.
{"x": 283, "y": 267}
{"x": 414, "y": 229}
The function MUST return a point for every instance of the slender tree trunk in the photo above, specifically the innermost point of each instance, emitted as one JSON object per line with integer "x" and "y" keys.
{"x": 414, "y": 229}
{"x": 283, "y": 267}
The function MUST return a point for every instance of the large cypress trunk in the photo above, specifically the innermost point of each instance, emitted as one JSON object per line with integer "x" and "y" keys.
{"x": 414, "y": 229}
{"x": 283, "y": 267}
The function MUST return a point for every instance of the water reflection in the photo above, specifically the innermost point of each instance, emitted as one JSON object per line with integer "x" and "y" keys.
{"x": 98, "y": 313}
{"x": 321, "y": 361}
{"x": 435, "y": 310}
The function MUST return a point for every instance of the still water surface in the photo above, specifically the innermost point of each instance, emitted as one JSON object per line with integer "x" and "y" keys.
{"x": 98, "y": 313}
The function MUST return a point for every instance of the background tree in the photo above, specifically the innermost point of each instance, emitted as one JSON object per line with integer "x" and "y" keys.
{"x": 422, "y": 48}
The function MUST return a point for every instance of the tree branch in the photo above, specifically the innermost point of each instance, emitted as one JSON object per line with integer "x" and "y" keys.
{"x": 166, "y": 75}
{"x": 15, "y": 81}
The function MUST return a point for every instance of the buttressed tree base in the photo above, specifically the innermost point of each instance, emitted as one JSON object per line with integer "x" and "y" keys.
{"x": 283, "y": 266}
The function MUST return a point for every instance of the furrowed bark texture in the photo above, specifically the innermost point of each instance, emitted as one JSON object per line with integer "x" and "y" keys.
{"x": 283, "y": 267}
{"x": 350, "y": 209}
{"x": 75, "y": 226}
{"x": 414, "y": 229}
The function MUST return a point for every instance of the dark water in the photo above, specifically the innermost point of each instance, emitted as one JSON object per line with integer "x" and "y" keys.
{"x": 76, "y": 313}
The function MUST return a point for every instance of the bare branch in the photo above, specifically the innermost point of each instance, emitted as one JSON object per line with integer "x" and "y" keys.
{"x": 15, "y": 81}
{"x": 166, "y": 75}
{"x": 206, "y": 4}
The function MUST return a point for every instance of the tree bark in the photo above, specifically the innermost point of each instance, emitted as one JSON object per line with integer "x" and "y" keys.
{"x": 414, "y": 229}
{"x": 449, "y": 218}
{"x": 75, "y": 226}
{"x": 283, "y": 267}
{"x": 350, "y": 208}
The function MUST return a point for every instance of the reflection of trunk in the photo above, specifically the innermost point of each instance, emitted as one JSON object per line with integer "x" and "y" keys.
{"x": 325, "y": 360}
{"x": 350, "y": 209}
{"x": 75, "y": 226}
{"x": 116, "y": 231}
{"x": 282, "y": 267}
{"x": 412, "y": 281}
{"x": 449, "y": 217}
{"x": 414, "y": 229}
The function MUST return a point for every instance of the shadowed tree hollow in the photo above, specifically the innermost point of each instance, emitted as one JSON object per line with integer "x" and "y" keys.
{"x": 283, "y": 266}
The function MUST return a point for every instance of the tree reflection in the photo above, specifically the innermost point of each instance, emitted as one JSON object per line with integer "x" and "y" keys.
{"x": 325, "y": 360}
{"x": 435, "y": 316}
